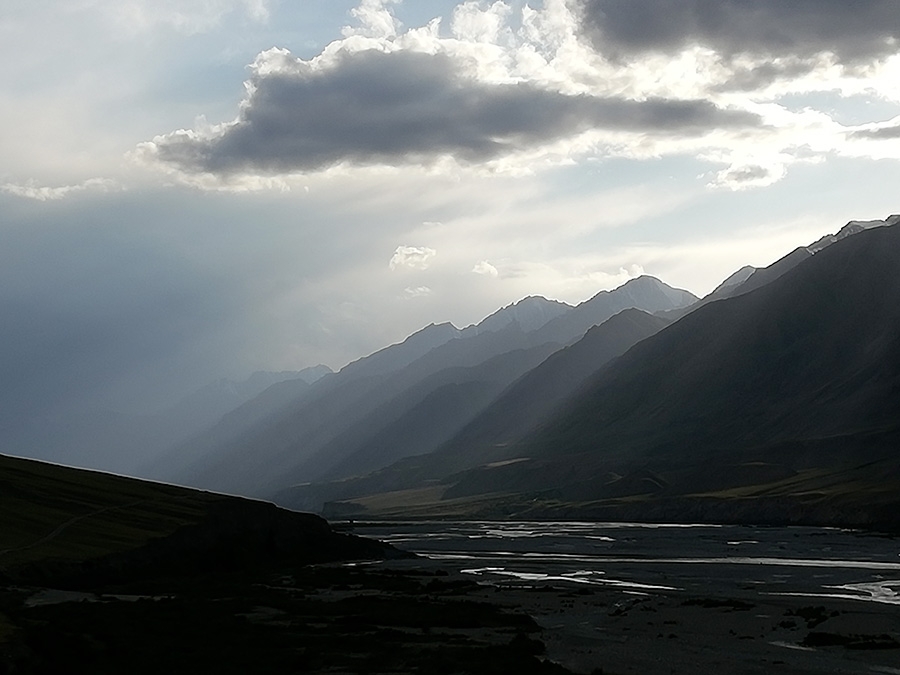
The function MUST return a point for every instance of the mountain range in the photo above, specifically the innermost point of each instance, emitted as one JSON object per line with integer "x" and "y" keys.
{"x": 771, "y": 399}
{"x": 406, "y": 399}
{"x": 774, "y": 401}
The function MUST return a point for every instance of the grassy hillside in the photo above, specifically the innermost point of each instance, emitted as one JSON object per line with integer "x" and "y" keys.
{"x": 69, "y": 519}
{"x": 51, "y": 511}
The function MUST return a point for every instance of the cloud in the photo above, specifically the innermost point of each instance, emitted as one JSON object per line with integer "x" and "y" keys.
{"x": 879, "y": 132}
{"x": 744, "y": 177}
{"x": 417, "y": 292}
{"x": 855, "y": 32}
{"x": 485, "y": 268}
{"x": 43, "y": 193}
{"x": 473, "y": 22}
{"x": 405, "y": 107}
{"x": 414, "y": 257}
{"x": 517, "y": 90}
{"x": 375, "y": 19}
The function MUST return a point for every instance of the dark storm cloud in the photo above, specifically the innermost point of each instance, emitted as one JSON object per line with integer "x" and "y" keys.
{"x": 395, "y": 108}
{"x": 880, "y": 134}
{"x": 854, "y": 30}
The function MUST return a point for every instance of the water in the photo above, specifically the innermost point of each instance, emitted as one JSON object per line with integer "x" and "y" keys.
{"x": 648, "y": 558}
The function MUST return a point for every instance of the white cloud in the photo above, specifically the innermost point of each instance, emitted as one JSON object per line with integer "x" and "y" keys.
{"x": 376, "y": 20}
{"x": 417, "y": 292}
{"x": 485, "y": 268}
{"x": 413, "y": 257}
{"x": 43, "y": 193}
{"x": 473, "y": 23}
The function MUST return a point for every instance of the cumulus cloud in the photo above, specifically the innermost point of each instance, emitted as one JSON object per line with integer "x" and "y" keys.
{"x": 472, "y": 22}
{"x": 413, "y": 257}
{"x": 516, "y": 89}
{"x": 854, "y": 32}
{"x": 401, "y": 107}
{"x": 485, "y": 268}
{"x": 375, "y": 19}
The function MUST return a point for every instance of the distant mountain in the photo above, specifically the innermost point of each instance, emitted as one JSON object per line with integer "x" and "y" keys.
{"x": 209, "y": 403}
{"x": 775, "y": 405}
{"x": 130, "y": 443}
{"x": 645, "y": 292}
{"x": 314, "y": 433}
{"x": 344, "y": 424}
{"x": 529, "y": 313}
{"x": 216, "y": 457}
{"x": 523, "y": 405}
{"x": 428, "y": 415}
{"x": 397, "y": 356}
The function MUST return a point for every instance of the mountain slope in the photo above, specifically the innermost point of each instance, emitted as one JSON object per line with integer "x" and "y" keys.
{"x": 776, "y": 405}
{"x": 749, "y": 278}
{"x": 537, "y": 394}
{"x": 423, "y": 416}
{"x": 815, "y": 353}
{"x": 509, "y": 417}
{"x": 796, "y": 380}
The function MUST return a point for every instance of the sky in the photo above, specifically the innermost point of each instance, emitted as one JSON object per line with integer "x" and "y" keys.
{"x": 198, "y": 189}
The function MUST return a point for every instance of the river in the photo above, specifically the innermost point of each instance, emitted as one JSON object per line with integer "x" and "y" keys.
{"x": 655, "y": 598}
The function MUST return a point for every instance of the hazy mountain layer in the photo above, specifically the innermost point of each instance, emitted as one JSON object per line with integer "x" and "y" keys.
{"x": 135, "y": 443}
{"x": 354, "y": 413}
{"x": 523, "y": 405}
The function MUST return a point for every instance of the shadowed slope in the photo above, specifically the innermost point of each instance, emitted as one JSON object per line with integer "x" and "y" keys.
{"x": 814, "y": 354}
{"x": 58, "y": 522}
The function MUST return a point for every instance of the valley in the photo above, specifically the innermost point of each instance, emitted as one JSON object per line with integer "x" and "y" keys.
{"x": 647, "y": 482}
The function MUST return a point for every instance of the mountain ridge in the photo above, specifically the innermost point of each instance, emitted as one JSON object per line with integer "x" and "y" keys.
{"x": 306, "y": 434}
{"x": 762, "y": 393}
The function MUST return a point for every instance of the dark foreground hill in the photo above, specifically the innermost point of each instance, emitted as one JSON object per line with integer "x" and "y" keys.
{"x": 777, "y": 405}
{"x": 101, "y": 574}
{"x": 59, "y": 524}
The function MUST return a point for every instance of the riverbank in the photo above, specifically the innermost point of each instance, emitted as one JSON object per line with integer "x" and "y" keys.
{"x": 661, "y": 599}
